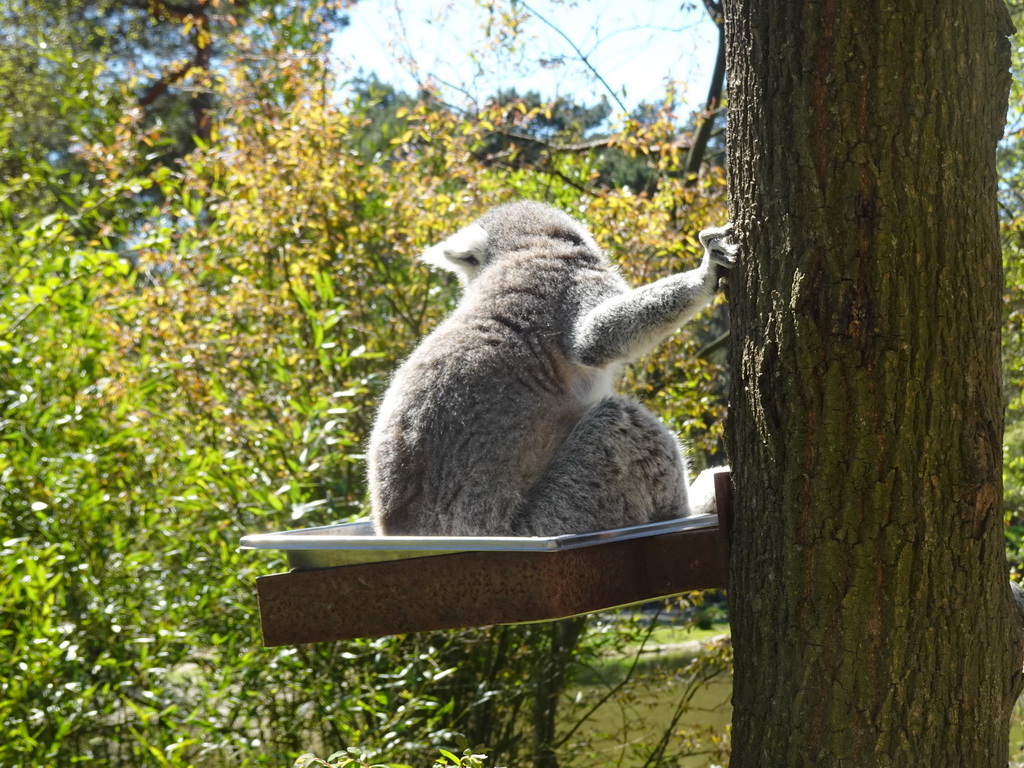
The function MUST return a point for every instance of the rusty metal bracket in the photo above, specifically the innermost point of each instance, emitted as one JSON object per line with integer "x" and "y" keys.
{"x": 468, "y": 589}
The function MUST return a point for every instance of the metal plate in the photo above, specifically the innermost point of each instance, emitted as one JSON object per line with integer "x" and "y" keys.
{"x": 356, "y": 543}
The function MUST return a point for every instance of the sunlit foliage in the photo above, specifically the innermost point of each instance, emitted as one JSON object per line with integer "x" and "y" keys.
{"x": 1012, "y": 216}
{"x": 191, "y": 348}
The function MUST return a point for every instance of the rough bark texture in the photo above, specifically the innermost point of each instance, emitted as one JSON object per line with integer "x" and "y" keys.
{"x": 872, "y": 618}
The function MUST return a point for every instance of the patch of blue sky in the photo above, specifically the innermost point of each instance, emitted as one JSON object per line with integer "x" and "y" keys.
{"x": 628, "y": 52}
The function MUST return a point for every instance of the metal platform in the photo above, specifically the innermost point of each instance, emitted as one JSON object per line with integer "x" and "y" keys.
{"x": 347, "y": 582}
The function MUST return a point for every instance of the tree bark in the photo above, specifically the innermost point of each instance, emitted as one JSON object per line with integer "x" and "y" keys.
{"x": 872, "y": 618}
{"x": 549, "y": 685}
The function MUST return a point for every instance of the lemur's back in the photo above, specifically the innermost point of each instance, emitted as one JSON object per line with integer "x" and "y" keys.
{"x": 503, "y": 421}
{"x": 474, "y": 416}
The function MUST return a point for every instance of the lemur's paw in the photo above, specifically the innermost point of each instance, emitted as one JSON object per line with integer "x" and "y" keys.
{"x": 718, "y": 247}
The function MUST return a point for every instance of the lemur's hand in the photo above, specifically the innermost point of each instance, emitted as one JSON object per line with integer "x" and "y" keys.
{"x": 720, "y": 253}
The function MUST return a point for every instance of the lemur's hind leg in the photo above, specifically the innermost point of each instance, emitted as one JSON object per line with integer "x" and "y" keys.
{"x": 619, "y": 466}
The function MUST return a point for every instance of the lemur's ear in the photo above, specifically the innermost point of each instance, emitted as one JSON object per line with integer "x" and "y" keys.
{"x": 463, "y": 253}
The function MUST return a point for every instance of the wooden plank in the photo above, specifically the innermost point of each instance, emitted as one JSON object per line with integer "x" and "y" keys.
{"x": 482, "y": 588}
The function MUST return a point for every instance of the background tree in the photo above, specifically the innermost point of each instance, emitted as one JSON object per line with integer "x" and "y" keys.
{"x": 872, "y": 620}
{"x": 1011, "y": 207}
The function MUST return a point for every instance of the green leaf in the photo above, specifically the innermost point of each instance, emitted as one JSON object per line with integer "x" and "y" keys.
{"x": 454, "y": 759}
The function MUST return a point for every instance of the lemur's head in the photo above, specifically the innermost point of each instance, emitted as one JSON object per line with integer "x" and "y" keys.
{"x": 507, "y": 229}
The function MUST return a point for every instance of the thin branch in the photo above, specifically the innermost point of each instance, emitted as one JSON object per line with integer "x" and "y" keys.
{"x": 161, "y": 86}
{"x": 582, "y": 56}
{"x": 580, "y": 146}
{"x": 712, "y": 346}
{"x": 714, "y": 9}
{"x": 640, "y": 28}
{"x": 161, "y": 10}
{"x": 618, "y": 686}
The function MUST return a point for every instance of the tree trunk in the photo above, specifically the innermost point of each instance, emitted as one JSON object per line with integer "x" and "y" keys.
{"x": 872, "y": 617}
{"x": 550, "y": 683}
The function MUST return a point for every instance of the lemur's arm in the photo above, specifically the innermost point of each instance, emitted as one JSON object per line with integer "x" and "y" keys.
{"x": 626, "y": 326}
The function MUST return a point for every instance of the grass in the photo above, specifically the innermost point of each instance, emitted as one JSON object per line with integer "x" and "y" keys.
{"x": 670, "y": 700}
{"x": 1017, "y": 734}
{"x": 667, "y": 647}
{"x": 668, "y": 635}
{"x": 617, "y": 731}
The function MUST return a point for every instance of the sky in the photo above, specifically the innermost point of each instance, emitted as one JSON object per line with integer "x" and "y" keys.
{"x": 635, "y": 46}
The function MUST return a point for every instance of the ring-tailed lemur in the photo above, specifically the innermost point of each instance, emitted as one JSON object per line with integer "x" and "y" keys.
{"x": 503, "y": 420}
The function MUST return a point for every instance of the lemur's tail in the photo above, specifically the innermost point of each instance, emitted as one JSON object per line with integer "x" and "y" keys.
{"x": 702, "y": 492}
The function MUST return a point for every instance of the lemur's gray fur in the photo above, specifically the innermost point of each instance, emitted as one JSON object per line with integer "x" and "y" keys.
{"x": 503, "y": 420}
